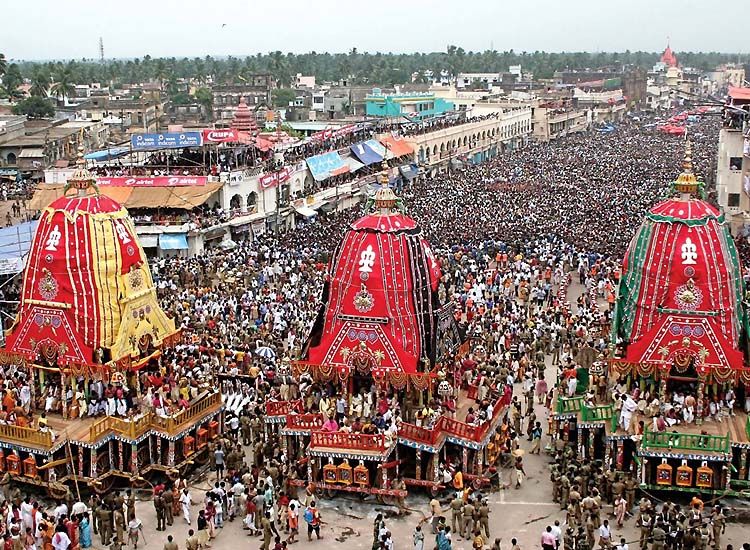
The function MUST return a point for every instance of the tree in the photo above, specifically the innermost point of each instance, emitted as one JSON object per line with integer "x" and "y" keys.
{"x": 40, "y": 83}
{"x": 206, "y": 99}
{"x": 3, "y": 64}
{"x": 63, "y": 86}
{"x": 12, "y": 79}
{"x": 281, "y": 97}
{"x": 34, "y": 107}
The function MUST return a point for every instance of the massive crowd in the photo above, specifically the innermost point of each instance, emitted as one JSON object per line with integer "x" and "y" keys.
{"x": 510, "y": 234}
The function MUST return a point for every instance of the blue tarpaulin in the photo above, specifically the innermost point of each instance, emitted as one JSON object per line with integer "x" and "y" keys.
{"x": 379, "y": 149}
{"x": 326, "y": 165}
{"x": 173, "y": 241}
{"x": 409, "y": 171}
{"x": 15, "y": 242}
{"x": 107, "y": 154}
{"x": 365, "y": 153}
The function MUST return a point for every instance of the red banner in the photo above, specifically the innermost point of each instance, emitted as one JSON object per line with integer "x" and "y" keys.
{"x": 275, "y": 178}
{"x": 220, "y": 136}
{"x": 153, "y": 181}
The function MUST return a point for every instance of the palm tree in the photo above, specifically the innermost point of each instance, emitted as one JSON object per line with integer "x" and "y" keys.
{"x": 63, "y": 86}
{"x": 39, "y": 83}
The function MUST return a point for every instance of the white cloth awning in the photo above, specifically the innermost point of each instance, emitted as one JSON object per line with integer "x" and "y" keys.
{"x": 32, "y": 153}
{"x": 305, "y": 211}
{"x": 149, "y": 241}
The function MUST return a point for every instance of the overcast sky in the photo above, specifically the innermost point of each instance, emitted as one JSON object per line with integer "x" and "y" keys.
{"x": 46, "y": 29}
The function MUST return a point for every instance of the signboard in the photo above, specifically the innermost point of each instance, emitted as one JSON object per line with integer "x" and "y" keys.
{"x": 166, "y": 141}
{"x": 9, "y": 266}
{"x": 267, "y": 181}
{"x": 220, "y": 136}
{"x": 155, "y": 181}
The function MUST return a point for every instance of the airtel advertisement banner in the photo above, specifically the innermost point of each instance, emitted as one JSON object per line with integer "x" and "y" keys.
{"x": 155, "y": 181}
{"x": 220, "y": 136}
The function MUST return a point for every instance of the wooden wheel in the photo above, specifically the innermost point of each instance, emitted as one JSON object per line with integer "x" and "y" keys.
{"x": 477, "y": 484}
{"x": 389, "y": 500}
{"x": 102, "y": 463}
{"x": 200, "y": 457}
{"x": 139, "y": 483}
{"x": 434, "y": 490}
{"x": 328, "y": 493}
{"x": 104, "y": 485}
{"x": 144, "y": 456}
{"x": 57, "y": 491}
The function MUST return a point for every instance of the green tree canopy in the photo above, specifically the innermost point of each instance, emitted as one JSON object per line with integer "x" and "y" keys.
{"x": 281, "y": 97}
{"x": 364, "y": 68}
{"x": 34, "y": 107}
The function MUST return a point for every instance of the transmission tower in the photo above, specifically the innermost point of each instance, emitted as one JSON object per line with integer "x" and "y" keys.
{"x": 101, "y": 50}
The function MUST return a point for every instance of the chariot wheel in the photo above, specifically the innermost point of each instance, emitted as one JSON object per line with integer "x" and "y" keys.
{"x": 57, "y": 491}
{"x": 104, "y": 485}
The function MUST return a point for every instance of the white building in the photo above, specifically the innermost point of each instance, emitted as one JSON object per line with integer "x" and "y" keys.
{"x": 733, "y": 177}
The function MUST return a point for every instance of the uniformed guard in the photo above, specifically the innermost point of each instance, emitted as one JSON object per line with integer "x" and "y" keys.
{"x": 718, "y": 521}
{"x": 119, "y": 519}
{"x": 159, "y": 508}
{"x": 457, "y": 521}
{"x": 644, "y": 524}
{"x": 468, "y": 517}
{"x": 105, "y": 524}
{"x": 658, "y": 536}
{"x": 484, "y": 519}
{"x": 630, "y": 485}
{"x": 564, "y": 492}
{"x": 168, "y": 498}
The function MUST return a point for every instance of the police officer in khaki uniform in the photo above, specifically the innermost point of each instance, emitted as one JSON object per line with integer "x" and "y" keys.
{"x": 119, "y": 517}
{"x": 468, "y": 525}
{"x": 718, "y": 520}
{"x": 105, "y": 524}
{"x": 630, "y": 485}
{"x": 170, "y": 544}
{"x": 457, "y": 522}
{"x": 168, "y": 499}
{"x": 484, "y": 519}
{"x": 658, "y": 536}
{"x": 564, "y": 491}
{"x": 159, "y": 508}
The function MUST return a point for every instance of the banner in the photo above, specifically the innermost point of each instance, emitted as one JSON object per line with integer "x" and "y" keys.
{"x": 166, "y": 141}
{"x": 272, "y": 180}
{"x": 155, "y": 181}
{"x": 220, "y": 136}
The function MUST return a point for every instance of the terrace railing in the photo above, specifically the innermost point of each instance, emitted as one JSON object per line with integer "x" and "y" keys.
{"x": 347, "y": 440}
{"x": 687, "y": 442}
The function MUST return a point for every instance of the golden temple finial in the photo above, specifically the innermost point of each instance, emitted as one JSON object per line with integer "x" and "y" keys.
{"x": 385, "y": 198}
{"x": 686, "y": 182}
{"x": 81, "y": 179}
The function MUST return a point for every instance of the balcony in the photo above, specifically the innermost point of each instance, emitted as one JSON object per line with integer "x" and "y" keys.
{"x": 283, "y": 408}
{"x": 304, "y": 422}
{"x": 700, "y": 443}
{"x": 170, "y": 425}
{"x": 450, "y": 427}
{"x": 346, "y": 441}
{"x": 31, "y": 437}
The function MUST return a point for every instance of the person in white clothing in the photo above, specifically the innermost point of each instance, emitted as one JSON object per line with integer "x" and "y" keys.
{"x": 60, "y": 540}
{"x": 27, "y": 513}
{"x": 185, "y": 502}
{"x": 629, "y": 406}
